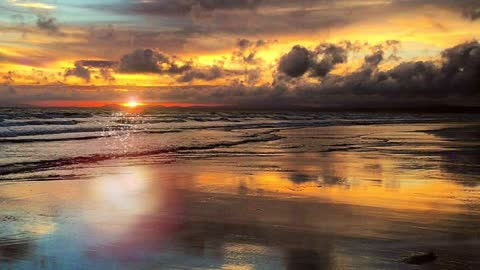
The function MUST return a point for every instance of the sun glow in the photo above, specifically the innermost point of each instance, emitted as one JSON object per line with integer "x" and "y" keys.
{"x": 133, "y": 104}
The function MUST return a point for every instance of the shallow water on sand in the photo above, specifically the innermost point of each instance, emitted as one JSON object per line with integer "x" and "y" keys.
{"x": 266, "y": 196}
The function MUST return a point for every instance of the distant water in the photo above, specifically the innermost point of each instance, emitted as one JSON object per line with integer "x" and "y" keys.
{"x": 33, "y": 140}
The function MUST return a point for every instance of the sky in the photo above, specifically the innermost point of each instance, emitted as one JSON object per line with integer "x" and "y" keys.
{"x": 245, "y": 53}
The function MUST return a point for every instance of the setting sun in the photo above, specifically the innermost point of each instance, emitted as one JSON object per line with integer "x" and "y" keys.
{"x": 132, "y": 104}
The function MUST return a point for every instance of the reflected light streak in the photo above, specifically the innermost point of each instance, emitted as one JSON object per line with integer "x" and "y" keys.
{"x": 120, "y": 199}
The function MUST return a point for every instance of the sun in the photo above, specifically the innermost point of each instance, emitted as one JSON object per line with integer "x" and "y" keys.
{"x": 132, "y": 104}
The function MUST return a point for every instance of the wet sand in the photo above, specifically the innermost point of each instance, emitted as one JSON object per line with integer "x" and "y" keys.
{"x": 363, "y": 198}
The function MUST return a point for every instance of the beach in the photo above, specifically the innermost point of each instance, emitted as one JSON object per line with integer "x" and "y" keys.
{"x": 96, "y": 189}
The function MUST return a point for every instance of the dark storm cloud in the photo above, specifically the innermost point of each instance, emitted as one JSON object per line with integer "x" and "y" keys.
{"x": 472, "y": 14}
{"x": 462, "y": 66}
{"x": 372, "y": 61}
{"x": 97, "y": 63}
{"x": 182, "y": 7}
{"x": 470, "y": 9}
{"x": 47, "y": 23}
{"x": 319, "y": 62}
{"x": 101, "y": 40}
{"x": 78, "y": 71}
{"x": 243, "y": 43}
{"x": 453, "y": 80}
{"x": 296, "y": 62}
{"x": 214, "y": 72}
{"x": 253, "y": 76}
{"x": 150, "y": 61}
{"x": 258, "y": 17}
{"x": 106, "y": 75}
{"x": 83, "y": 69}
{"x": 458, "y": 76}
{"x": 281, "y": 16}
{"x": 210, "y": 74}
{"x": 246, "y": 51}
{"x": 142, "y": 61}
{"x": 332, "y": 55}
{"x": 178, "y": 68}
{"x": 244, "y": 16}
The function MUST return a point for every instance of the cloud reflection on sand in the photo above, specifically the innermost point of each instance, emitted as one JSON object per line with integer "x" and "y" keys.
{"x": 344, "y": 178}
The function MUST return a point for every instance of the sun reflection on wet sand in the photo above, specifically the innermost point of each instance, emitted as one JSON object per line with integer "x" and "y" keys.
{"x": 130, "y": 212}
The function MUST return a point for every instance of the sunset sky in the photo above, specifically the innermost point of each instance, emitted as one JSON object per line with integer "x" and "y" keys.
{"x": 258, "y": 53}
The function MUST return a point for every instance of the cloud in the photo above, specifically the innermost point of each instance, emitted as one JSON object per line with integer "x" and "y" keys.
{"x": 256, "y": 17}
{"x": 107, "y": 33}
{"x": 244, "y": 17}
{"x": 78, "y": 71}
{"x": 268, "y": 16}
{"x": 470, "y": 9}
{"x": 332, "y": 55}
{"x": 6, "y": 86}
{"x": 47, "y": 23}
{"x": 154, "y": 62}
{"x": 296, "y": 62}
{"x": 318, "y": 62}
{"x": 243, "y": 43}
{"x": 472, "y": 14}
{"x": 246, "y": 51}
{"x": 183, "y": 7}
{"x": 83, "y": 69}
{"x": 210, "y": 74}
{"x": 456, "y": 77}
{"x": 253, "y": 76}
{"x": 372, "y": 61}
{"x": 97, "y": 63}
{"x": 461, "y": 66}
{"x": 142, "y": 61}
{"x": 451, "y": 80}
{"x": 106, "y": 74}
{"x": 150, "y": 61}
{"x": 8, "y": 77}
